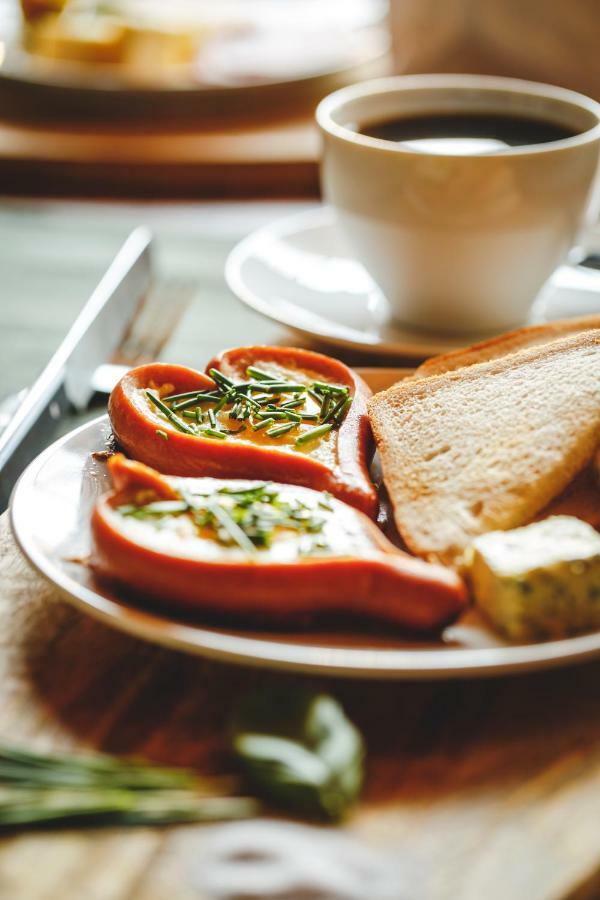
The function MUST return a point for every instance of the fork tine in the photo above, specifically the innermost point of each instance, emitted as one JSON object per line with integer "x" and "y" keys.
{"x": 158, "y": 317}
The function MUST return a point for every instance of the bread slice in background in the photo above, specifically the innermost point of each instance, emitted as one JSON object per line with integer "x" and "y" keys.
{"x": 487, "y": 446}
{"x": 510, "y": 342}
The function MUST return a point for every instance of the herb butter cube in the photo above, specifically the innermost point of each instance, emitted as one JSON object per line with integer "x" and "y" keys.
{"x": 541, "y": 581}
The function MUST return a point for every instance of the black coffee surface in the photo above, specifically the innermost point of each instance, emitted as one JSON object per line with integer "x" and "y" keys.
{"x": 467, "y": 132}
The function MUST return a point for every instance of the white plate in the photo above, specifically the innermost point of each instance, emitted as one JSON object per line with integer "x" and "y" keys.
{"x": 50, "y": 513}
{"x": 298, "y": 271}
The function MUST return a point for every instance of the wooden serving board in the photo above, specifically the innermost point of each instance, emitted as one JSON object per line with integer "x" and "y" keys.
{"x": 490, "y": 788}
{"x": 264, "y": 158}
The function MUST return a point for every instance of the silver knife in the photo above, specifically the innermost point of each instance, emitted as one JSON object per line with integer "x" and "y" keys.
{"x": 66, "y": 381}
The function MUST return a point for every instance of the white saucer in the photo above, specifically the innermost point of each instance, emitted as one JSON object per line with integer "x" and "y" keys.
{"x": 298, "y": 272}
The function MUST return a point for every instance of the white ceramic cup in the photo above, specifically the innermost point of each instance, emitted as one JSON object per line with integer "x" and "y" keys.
{"x": 458, "y": 243}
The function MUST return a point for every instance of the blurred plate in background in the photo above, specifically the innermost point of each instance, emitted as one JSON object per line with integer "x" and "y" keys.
{"x": 197, "y": 59}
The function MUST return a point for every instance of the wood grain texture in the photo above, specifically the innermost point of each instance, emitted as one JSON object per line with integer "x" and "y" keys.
{"x": 264, "y": 158}
{"x": 492, "y": 787}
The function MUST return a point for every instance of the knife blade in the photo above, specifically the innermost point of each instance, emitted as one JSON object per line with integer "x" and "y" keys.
{"x": 66, "y": 381}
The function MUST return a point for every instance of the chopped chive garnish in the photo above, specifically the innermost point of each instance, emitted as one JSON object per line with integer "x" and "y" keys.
{"x": 283, "y": 387}
{"x": 234, "y": 530}
{"x": 313, "y": 434}
{"x": 340, "y": 414}
{"x": 265, "y": 423}
{"x": 187, "y": 404}
{"x": 177, "y": 422}
{"x": 337, "y": 412}
{"x": 158, "y": 508}
{"x": 292, "y": 404}
{"x": 253, "y": 372}
{"x": 199, "y": 395}
{"x": 326, "y": 406}
{"x": 274, "y": 414}
{"x": 247, "y": 517}
{"x": 278, "y": 430}
{"x": 262, "y": 397}
{"x": 224, "y": 399}
{"x": 220, "y": 378}
{"x": 162, "y": 434}
{"x": 323, "y": 387}
{"x": 251, "y": 401}
{"x": 213, "y": 433}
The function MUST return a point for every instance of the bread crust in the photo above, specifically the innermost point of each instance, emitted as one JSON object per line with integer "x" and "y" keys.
{"x": 503, "y": 344}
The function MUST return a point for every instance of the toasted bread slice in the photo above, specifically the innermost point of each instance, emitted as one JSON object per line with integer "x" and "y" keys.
{"x": 510, "y": 342}
{"x": 489, "y": 446}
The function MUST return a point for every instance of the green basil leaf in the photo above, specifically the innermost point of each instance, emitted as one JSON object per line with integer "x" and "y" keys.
{"x": 299, "y": 750}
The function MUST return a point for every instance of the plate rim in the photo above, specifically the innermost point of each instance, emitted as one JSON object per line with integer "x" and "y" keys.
{"x": 17, "y": 57}
{"x": 218, "y": 644}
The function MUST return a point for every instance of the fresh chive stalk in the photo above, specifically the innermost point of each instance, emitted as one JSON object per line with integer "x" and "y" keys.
{"x": 274, "y": 414}
{"x": 323, "y": 387}
{"x": 231, "y": 527}
{"x": 164, "y": 409}
{"x": 326, "y": 407}
{"x": 190, "y": 395}
{"x": 221, "y": 379}
{"x": 278, "y": 430}
{"x": 340, "y": 414}
{"x": 264, "y": 423}
{"x": 199, "y": 398}
{"x": 281, "y": 387}
{"x": 292, "y": 404}
{"x": 260, "y": 374}
{"x": 213, "y": 433}
{"x": 313, "y": 434}
{"x": 38, "y": 789}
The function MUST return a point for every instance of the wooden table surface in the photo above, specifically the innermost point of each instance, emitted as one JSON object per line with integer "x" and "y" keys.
{"x": 491, "y": 788}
